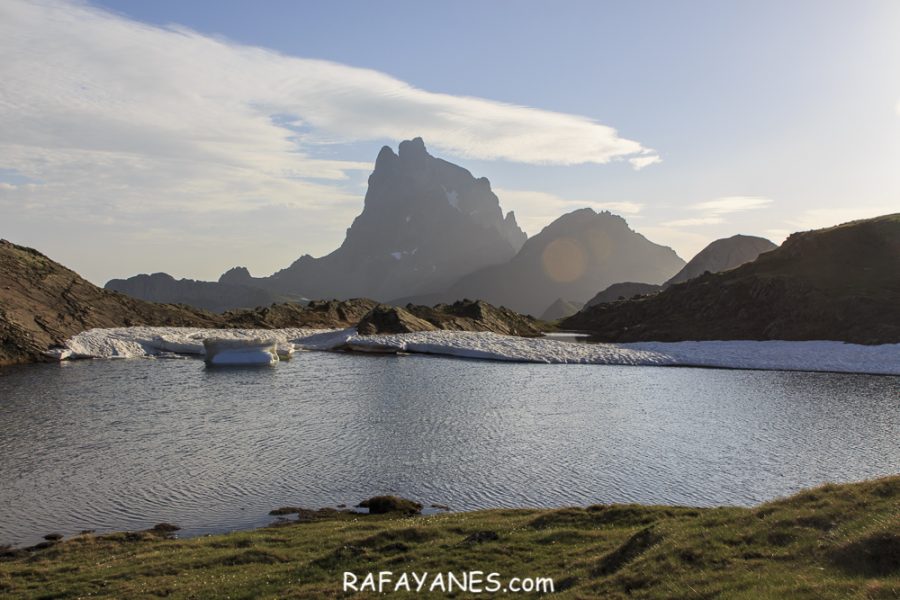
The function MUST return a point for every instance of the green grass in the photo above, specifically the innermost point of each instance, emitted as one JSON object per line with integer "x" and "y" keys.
{"x": 837, "y": 541}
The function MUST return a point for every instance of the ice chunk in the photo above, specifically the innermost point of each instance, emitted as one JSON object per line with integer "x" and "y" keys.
{"x": 238, "y": 351}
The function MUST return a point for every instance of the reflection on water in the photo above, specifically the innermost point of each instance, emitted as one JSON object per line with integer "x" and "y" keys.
{"x": 111, "y": 445}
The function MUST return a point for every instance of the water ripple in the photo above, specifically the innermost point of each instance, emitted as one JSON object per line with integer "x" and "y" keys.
{"x": 113, "y": 445}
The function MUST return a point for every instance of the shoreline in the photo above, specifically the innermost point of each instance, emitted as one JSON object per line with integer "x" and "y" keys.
{"x": 772, "y": 355}
{"x": 831, "y": 541}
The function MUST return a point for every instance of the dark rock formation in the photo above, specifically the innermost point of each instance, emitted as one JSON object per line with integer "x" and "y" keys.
{"x": 216, "y": 297}
{"x": 722, "y": 255}
{"x": 840, "y": 283}
{"x": 623, "y": 291}
{"x": 317, "y": 314}
{"x": 561, "y": 309}
{"x": 464, "y": 315}
{"x": 391, "y": 319}
{"x": 573, "y": 257}
{"x": 468, "y": 315}
{"x": 380, "y": 505}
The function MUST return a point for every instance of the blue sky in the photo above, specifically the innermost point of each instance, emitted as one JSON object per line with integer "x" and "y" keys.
{"x": 758, "y": 117}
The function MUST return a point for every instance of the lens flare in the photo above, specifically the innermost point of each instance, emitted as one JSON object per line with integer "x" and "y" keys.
{"x": 564, "y": 260}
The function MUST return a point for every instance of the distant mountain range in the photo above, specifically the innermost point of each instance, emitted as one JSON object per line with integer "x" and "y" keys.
{"x": 840, "y": 283}
{"x": 431, "y": 232}
{"x": 573, "y": 257}
{"x": 209, "y": 295}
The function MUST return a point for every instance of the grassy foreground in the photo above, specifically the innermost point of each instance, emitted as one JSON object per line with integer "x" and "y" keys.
{"x": 836, "y": 541}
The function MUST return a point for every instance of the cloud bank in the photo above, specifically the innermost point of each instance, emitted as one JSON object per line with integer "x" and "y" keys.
{"x": 78, "y": 80}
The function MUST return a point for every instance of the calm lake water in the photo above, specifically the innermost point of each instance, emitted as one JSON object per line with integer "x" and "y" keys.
{"x": 112, "y": 445}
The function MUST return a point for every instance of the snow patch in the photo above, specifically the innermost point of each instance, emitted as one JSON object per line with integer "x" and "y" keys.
{"x": 452, "y": 197}
{"x": 134, "y": 342}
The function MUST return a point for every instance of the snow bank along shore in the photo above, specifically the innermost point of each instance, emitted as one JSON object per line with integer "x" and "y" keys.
{"x": 141, "y": 342}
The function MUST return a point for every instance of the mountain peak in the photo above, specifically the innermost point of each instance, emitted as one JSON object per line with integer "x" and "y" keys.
{"x": 385, "y": 157}
{"x": 413, "y": 147}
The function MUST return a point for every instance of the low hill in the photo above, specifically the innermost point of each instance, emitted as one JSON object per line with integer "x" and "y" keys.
{"x": 722, "y": 255}
{"x": 840, "y": 283}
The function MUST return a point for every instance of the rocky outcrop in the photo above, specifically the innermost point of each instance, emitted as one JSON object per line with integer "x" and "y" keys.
{"x": 216, "y": 297}
{"x": 840, "y": 283}
{"x": 317, "y": 314}
{"x": 722, "y": 255}
{"x": 623, "y": 291}
{"x": 464, "y": 315}
{"x": 469, "y": 315}
{"x": 391, "y": 319}
{"x": 42, "y": 304}
{"x": 560, "y": 310}
{"x": 573, "y": 257}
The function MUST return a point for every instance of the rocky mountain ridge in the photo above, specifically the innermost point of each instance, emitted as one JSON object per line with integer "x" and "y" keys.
{"x": 840, "y": 283}
{"x": 579, "y": 253}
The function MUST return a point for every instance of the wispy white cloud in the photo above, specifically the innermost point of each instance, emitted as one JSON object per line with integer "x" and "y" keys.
{"x": 694, "y": 221}
{"x": 714, "y": 212}
{"x": 731, "y": 204}
{"x": 535, "y": 210}
{"x": 85, "y": 80}
{"x": 639, "y": 162}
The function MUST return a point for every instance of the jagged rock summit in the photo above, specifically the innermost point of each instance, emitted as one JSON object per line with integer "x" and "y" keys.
{"x": 425, "y": 223}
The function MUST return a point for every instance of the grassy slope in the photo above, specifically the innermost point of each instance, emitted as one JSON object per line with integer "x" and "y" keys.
{"x": 831, "y": 542}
